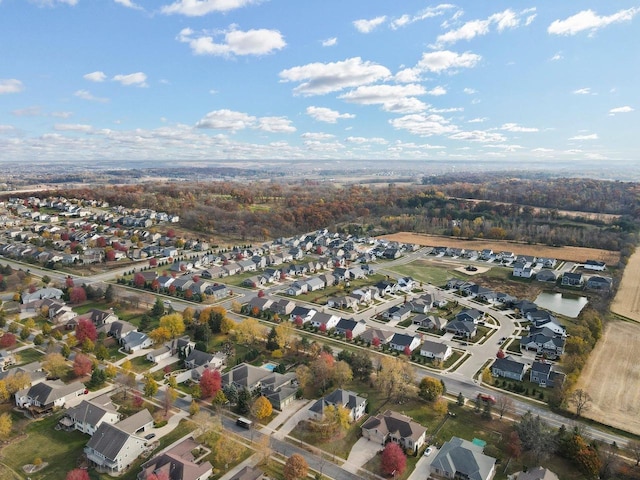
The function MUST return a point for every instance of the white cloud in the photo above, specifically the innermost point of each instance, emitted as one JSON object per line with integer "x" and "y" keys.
{"x": 321, "y": 78}
{"x": 72, "y": 127}
{"x": 86, "y": 95}
{"x": 27, "y": 112}
{"x": 275, "y": 125}
{"x": 128, "y": 4}
{"x": 514, "y": 127}
{"x": 95, "y": 76}
{"x": 470, "y": 91}
{"x": 437, "y": 91}
{"x": 582, "y": 91}
{"x": 226, "y": 120}
{"x": 505, "y": 147}
{"x": 327, "y": 115}
{"x": 428, "y": 12}
{"x": 364, "y": 140}
{"x": 407, "y": 75}
{"x": 592, "y": 136}
{"x": 444, "y": 60}
{"x": 236, "y": 42}
{"x": 330, "y": 42}
{"x": 198, "y": 8}
{"x": 7, "y": 128}
{"x": 589, "y": 20}
{"x": 424, "y": 125}
{"x": 625, "y": 109}
{"x": 446, "y": 110}
{"x": 543, "y": 150}
{"x": 530, "y": 20}
{"x": 137, "y": 79}
{"x": 478, "y": 136}
{"x": 395, "y": 98}
{"x": 61, "y": 114}
{"x": 366, "y": 26}
{"x": 478, "y": 120}
{"x": 556, "y": 57}
{"x": 317, "y": 136}
{"x": 507, "y": 19}
{"x": 10, "y": 85}
{"x": 53, "y": 3}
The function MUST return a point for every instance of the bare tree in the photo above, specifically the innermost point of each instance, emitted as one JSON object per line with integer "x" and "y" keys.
{"x": 504, "y": 405}
{"x": 581, "y": 400}
{"x": 634, "y": 448}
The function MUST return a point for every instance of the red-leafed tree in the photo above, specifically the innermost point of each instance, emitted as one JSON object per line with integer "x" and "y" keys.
{"x": 500, "y": 354}
{"x": 196, "y": 278}
{"x": 349, "y": 335}
{"x": 138, "y": 280}
{"x": 78, "y": 474}
{"x": 155, "y": 286}
{"x": 188, "y": 294}
{"x": 86, "y": 329}
{"x": 32, "y": 288}
{"x": 393, "y": 460}
{"x": 110, "y": 255}
{"x": 82, "y": 365}
{"x": 514, "y": 447}
{"x": 298, "y": 321}
{"x": 407, "y": 351}
{"x": 153, "y": 262}
{"x": 137, "y": 401}
{"x": 323, "y": 327}
{"x": 172, "y": 289}
{"x": 375, "y": 342}
{"x": 64, "y": 236}
{"x": 210, "y": 383}
{"x": 68, "y": 282}
{"x": 101, "y": 242}
{"x": 8, "y": 340}
{"x": 77, "y": 295}
{"x": 171, "y": 233}
{"x": 261, "y": 294}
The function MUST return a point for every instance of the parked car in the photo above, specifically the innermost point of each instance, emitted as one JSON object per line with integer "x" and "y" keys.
{"x": 428, "y": 451}
{"x": 150, "y": 436}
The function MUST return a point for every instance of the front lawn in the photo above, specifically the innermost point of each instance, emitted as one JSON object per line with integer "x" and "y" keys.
{"x": 28, "y": 355}
{"x": 339, "y": 446}
{"x": 141, "y": 364}
{"x": 423, "y": 271}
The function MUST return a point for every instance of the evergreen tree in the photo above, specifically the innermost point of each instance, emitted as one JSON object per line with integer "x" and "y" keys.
{"x": 244, "y": 401}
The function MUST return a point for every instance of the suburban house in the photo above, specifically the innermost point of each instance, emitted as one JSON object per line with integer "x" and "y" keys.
{"x": 260, "y": 303}
{"x": 508, "y": 368}
{"x": 347, "y": 325}
{"x": 255, "y": 281}
{"x": 546, "y": 275}
{"x": 41, "y": 294}
{"x": 196, "y": 358}
{"x": 45, "y": 396}
{"x": 572, "y": 279}
{"x": 401, "y": 342}
{"x": 99, "y": 317}
{"x": 6, "y": 359}
{"x": 218, "y": 291}
{"x": 599, "y": 283}
{"x": 398, "y": 313}
{"x": 283, "y": 307}
{"x": 392, "y": 426}
{"x": 113, "y": 448}
{"x": 279, "y": 389}
{"x": 470, "y": 315}
{"x": 303, "y": 313}
{"x": 118, "y": 329}
{"x": 430, "y": 322}
{"x": 436, "y": 350}
{"x": 537, "y": 473}
{"x": 460, "y": 458}
{"x": 543, "y": 344}
{"x": 178, "y": 463}
{"x": 373, "y": 335}
{"x": 543, "y": 374}
{"x": 135, "y": 341}
{"x": 159, "y": 354}
{"x": 297, "y": 288}
{"x": 314, "y": 283}
{"x": 342, "y": 301}
{"x": 90, "y": 414}
{"x": 522, "y": 269}
{"x": 406, "y": 284}
{"x": 344, "y": 398}
{"x": 462, "y": 329}
{"x": 329, "y": 321}
{"x": 595, "y": 265}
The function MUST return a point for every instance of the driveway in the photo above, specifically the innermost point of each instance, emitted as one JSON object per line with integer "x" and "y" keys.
{"x": 361, "y": 452}
{"x": 289, "y": 418}
{"x": 422, "y": 470}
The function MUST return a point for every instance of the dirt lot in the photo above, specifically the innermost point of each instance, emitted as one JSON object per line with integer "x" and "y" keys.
{"x": 574, "y": 254}
{"x": 627, "y": 301}
{"x": 616, "y": 396}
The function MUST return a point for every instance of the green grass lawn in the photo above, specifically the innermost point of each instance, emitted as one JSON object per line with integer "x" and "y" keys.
{"x": 423, "y": 271}
{"x": 29, "y": 355}
{"x": 141, "y": 364}
{"x": 60, "y": 449}
{"x": 340, "y": 446}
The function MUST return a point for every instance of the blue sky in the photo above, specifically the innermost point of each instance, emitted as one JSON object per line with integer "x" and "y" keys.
{"x": 214, "y": 80}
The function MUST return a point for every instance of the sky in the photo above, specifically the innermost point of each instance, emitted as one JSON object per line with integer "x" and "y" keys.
{"x": 211, "y": 80}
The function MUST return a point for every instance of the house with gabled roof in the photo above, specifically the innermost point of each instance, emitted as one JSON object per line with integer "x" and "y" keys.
{"x": 261, "y": 303}
{"x": 597, "y": 282}
{"x": 279, "y": 389}
{"x": 543, "y": 374}
{"x": 283, "y": 306}
{"x": 537, "y": 473}
{"x": 572, "y": 279}
{"x": 398, "y": 312}
{"x": 432, "y": 322}
{"x": 395, "y": 427}
{"x": 436, "y": 350}
{"x": 87, "y": 416}
{"x": 345, "y": 325}
{"x": 470, "y": 315}
{"x": 460, "y": 458}
{"x": 325, "y": 320}
{"x": 134, "y": 341}
{"x": 595, "y": 265}
{"x": 344, "y": 398}
{"x": 401, "y": 342}
{"x": 546, "y": 275}
{"x": 373, "y": 335}
{"x": 178, "y": 463}
{"x": 540, "y": 343}
{"x": 462, "y": 329}
{"x": 197, "y": 358}
{"x": 305, "y": 314}
{"x": 99, "y": 317}
{"x": 508, "y": 368}
{"x": 42, "y": 397}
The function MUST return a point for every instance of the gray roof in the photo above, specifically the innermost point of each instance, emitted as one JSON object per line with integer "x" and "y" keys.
{"x": 345, "y": 398}
{"x": 136, "y": 421}
{"x": 48, "y": 392}
{"x": 509, "y": 365}
{"x": 537, "y": 473}
{"x": 88, "y": 412}
{"x": 108, "y": 440}
{"x": 199, "y": 358}
{"x": 134, "y": 338}
{"x": 393, "y": 422}
{"x": 177, "y": 463}
{"x": 458, "y": 455}
{"x": 434, "y": 347}
{"x": 402, "y": 339}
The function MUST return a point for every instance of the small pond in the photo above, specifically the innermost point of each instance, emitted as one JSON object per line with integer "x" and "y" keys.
{"x": 562, "y": 303}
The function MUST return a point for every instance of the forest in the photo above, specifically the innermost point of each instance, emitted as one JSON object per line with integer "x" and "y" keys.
{"x": 527, "y": 211}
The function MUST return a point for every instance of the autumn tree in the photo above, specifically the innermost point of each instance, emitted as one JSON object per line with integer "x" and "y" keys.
{"x": 393, "y": 461}
{"x": 150, "y": 386}
{"x": 248, "y": 331}
{"x": 78, "y": 474}
{"x": 395, "y": 379}
{"x": 322, "y": 370}
{"x": 581, "y": 400}
{"x": 138, "y": 280}
{"x": 284, "y": 335}
{"x": 514, "y": 447}
{"x": 342, "y": 373}
{"x": 5, "y": 426}
{"x": 430, "y": 389}
{"x": 170, "y": 395}
{"x": 55, "y": 365}
{"x": 86, "y": 329}
{"x": 210, "y": 383}
{"x": 504, "y": 405}
{"x": 7, "y": 340}
{"x": 634, "y": 448}
{"x": 174, "y": 323}
{"x": 17, "y": 381}
{"x": 82, "y": 365}
{"x": 296, "y": 467}
{"x": 77, "y": 295}
{"x": 4, "y": 392}
{"x": 262, "y": 408}
{"x": 160, "y": 335}
{"x": 440, "y": 406}
{"x": 227, "y": 450}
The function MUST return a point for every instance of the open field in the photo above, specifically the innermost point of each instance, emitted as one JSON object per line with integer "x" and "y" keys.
{"x": 627, "y": 301}
{"x": 575, "y": 254}
{"x": 616, "y": 396}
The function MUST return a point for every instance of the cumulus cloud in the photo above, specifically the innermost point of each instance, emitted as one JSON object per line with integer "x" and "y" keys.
{"x": 275, "y": 125}
{"x": 95, "y": 76}
{"x": 330, "y": 42}
{"x": 590, "y": 21}
{"x": 478, "y": 120}
{"x": 138, "y": 79}
{"x": 27, "y": 112}
{"x": 446, "y": 60}
{"x": 582, "y": 91}
{"x": 478, "y": 136}
{"x": 507, "y": 19}
{"x": 198, "y": 8}
{"x": 364, "y": 140}
{"x": 61, "y": 114}
{"x": 470, "y": 91}
{"x": 592, "y": 136}
{"x": 317, "y": 136}
{"x": 72, "y": 127}
{"x": 367, "y": 26}
{"x": 235, "y": 42}
{"x": 320, "y": 78}
{"x": 429, "y": 12}
{"x": 128, "y": 4}
{"x": 10, "y": 85}
{"x": 437, "y": 91}
{"x": 226, "y": 120}
{"x": 423, "y": 125}
{"x": 514, "y": 127}
{"x": 86, "y": 95}
{"x": 327, "y": 115}
{"x": 625, "y": 109}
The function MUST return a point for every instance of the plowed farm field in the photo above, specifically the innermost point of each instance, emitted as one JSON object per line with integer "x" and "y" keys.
{"x": 573, "y": 254}
{"x": 612, "y": 375}
{"x": 627, "y": 301}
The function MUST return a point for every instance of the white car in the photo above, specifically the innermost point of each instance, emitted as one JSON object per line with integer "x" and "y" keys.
{"x": 428, "y": 451}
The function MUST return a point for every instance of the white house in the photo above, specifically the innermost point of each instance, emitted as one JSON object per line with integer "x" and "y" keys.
{"x": 435, "y": 350}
